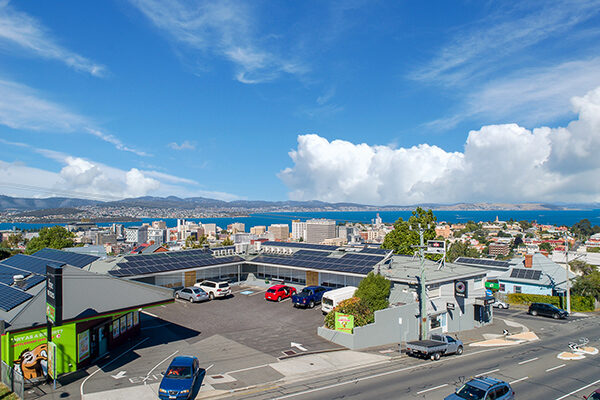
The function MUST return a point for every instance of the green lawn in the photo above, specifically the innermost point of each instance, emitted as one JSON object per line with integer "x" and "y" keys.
{"x": 6, "y": 394}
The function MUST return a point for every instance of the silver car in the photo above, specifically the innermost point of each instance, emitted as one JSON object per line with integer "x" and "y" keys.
{"x": 192, "y": 294}
{"x": 500, "y": 304}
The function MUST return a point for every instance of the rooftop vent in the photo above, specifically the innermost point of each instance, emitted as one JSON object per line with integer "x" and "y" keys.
{"x": 19, "y": 280}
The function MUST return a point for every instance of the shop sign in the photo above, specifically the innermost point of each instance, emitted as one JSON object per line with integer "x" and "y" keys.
{"x": 492, "y": 285}
{"x": 344, "y": 322}
{"x": 460, "y": 289}
{"x": 450, "y": 306}
{"x": 54, "y": 293}
{"x": 436, "y": 247}
{"x": 83, "y": 344}
{"x": 52, "y": 360}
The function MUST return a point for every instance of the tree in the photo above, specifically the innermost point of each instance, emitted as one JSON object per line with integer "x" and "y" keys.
{"x": 405, "y": 234}
{"x": 55, "y": 237}
{"x": 374, "y": 291}
{"x": 525, "y": 225}
{"x": 355, "y": 307}
{"x": 545, "y": 246}
{"x": 588, "y": 285}
{"x": 227, "y": 242}
{"x": 13, "y": 240}
{"x": 583, "y": 229}
{"x": 518, "y": 241}
{"x": 4, "y": 253}
{"x": 503, "y": 234}
{"x": 582, "y": 267}
{"x": 461, "y": 249}
{"x": 192, "y": 243}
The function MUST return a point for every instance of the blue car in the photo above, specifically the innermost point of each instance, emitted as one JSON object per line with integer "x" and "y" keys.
{"x": 483, "y": 388}
{"x": 309, "y": 296}
{"x": 180, "y": 378}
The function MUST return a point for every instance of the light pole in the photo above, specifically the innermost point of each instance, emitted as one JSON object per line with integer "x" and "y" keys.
{"x": 567, "y": 283}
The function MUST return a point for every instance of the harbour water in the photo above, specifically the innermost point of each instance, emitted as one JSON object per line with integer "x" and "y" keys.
{"x": 543, "y": 217}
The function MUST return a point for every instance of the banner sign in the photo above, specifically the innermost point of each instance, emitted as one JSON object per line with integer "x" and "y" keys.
{"x": 492, "y": 285}
{"x": 344, "y": 322}
{"x": 83, "y": 345}
{"x": 52, "y": 360}
{"x": 460, "y": 289}
{"x": 54, "y": 293}
{"x": 436, "y": 247}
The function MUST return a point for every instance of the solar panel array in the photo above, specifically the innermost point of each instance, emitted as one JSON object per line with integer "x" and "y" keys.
{"x": 301, "y": 245}
{"x": 482, "y": 262}
{"x": 354, "y": 263}
{"x": 11, "y": 297}
{"x": 75, "y": 259}
{"x": 522, "y": 273}
{"x": 169, "y": 261}
{"x": 370, "y": 250}
{"x": 27, "y": 263}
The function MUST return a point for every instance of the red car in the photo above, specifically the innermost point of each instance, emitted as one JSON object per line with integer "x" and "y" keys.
{"x": 279, "y": 292}
{"x": 593, "y": 396}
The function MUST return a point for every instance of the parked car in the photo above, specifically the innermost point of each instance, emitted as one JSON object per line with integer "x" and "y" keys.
{"x": 180, "y": 378}
{"x": 500, "y": 304}
{"x": 435, "y": 347}
{"x": 279, "y": 292}
{"x": 333, "y": 297}
{"x": 215, "y": 289}
{"x": 593, "y": 396}
{"x": 547, "y": 310}
{"x": 309, "y": 296}
{"x": 483, "y": 388}
{"x": 192, "y": 294}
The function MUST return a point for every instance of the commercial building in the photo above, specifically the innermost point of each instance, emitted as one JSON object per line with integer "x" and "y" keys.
{"x": 236, "y": 227}
{"x": 157, "y": 235}
{"x": 317, "y": 230}
{"x": 159, "y": 224}
{"x": 280, "y": 232}
{"x": 496, "y": 249}
{"x": 136, "y": 234}
{"x": 258, "y": 230}
{"x": 298, "y": 230}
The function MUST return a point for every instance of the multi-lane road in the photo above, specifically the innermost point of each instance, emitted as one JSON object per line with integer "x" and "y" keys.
{"x": 533, "y": 369}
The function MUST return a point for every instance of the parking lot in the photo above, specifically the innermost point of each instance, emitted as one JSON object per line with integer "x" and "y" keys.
{"x": 235, "y": 339}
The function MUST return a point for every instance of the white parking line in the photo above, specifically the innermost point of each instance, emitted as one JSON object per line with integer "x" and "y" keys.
{"x": 578, "y": 390}
{"x": 108, "y": 363}
{"x": 433, "y": 388}
{"x": 152, "y": 370}
{"x": 557, "y": 367}
{"x": 490, "y": 372}
{"x": 284, "y": 300}
{"x": 150, "y": 314}
{"x": 519, "y": 380}
{"x": 526, "y": 361}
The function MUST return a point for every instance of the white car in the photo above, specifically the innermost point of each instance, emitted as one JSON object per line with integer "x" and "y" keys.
{"x": 215, "y": 289}
{"x": 500, "y": 304}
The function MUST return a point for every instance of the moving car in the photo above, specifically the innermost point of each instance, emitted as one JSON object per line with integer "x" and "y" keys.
{"x": 500, "y": 304}
{"x": 547, "y": 310}
{"x": 483, "y": 388}
{"x": 593, "y": 396}
{"x": 215, "y": 289}
{"x": 434, "y": 348}
{"x": 192, "y": 294}
{"x": 180, "y": 378}
{"x": 279, "y": 292}
{"x": 333, "y": 297}
{"x": 309, "y": 296}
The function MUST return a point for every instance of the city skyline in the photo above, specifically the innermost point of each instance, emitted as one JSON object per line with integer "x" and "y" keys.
{"x": 367, "y": 103}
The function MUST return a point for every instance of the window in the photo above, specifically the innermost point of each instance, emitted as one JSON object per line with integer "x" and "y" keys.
{"x": 435, "y": 322}
{"x": 502, "y": 287}
{"x": 517, "y": 289}
{"x": 450, "y": 339}
{"x": 434, "y": 292}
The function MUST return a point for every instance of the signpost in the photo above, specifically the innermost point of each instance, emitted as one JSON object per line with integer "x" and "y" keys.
{"x": 54, "y": 309}
{"x": 344, "y": 322}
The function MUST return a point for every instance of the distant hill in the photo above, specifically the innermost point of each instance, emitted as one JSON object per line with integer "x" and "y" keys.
{"x": 61, "y": 203}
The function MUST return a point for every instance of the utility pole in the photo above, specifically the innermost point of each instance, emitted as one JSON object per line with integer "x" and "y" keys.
{"x": 423, "y": 287}
{"x": 567, "y": 268}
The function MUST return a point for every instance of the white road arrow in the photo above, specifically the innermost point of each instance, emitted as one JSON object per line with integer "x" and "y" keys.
{"x": 120, "y": 375}
{"x": 297, "y": 345}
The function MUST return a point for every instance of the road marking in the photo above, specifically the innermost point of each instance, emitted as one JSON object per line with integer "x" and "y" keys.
{"x": 120, "y": 375}
{"x": 152, "y": 370}
{"x": 526, "y": 361}
{"x": 519, "y": 380}
{"x": 356, "y": 380}
{"x": 108, "y": 363}
{"x": 490, "y": 372}
{"x": 259, "y": 292}
{"x": 209, "y": 367}
{"x": 578, "y": 390}
{"x": 433, "y": 388}
{"x": 245, "y": 369}
{"x": 298, "y": 345}
{"x": 150, "y": 314}
{"x": 284, "y": 300}
{"x": 557, "y": 367}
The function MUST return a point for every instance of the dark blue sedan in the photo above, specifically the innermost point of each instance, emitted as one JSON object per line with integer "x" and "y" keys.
{"x": 180, "y": 378}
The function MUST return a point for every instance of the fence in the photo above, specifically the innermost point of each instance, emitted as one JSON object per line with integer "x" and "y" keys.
{"x": 13, "y": 380}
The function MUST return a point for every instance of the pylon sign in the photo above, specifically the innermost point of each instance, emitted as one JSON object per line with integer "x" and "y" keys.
{"x": 436, "y": 247}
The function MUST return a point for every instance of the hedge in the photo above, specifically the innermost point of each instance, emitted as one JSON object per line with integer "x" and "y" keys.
{"x": 578, "y": 303}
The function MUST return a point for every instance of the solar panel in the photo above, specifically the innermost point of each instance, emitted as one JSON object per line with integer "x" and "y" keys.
{"x": 27, "y": 263}
{"x": 7, "y": 273}
{"x": 75, "y": 259}
{"x": 11, "y": 297}
{"x": 33, "y": 280}
{"x": 368, "y": 250}
{"x": 301, "y": 245}
{"x": 522, "y": 273}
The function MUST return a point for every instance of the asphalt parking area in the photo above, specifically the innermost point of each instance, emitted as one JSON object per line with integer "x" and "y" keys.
{"x": 522, "y": 314}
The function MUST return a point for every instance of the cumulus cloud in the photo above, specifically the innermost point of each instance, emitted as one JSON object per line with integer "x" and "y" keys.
{"x": 185, "y": 145}
{"x": 499, "y": 163}
{"x": 19, "y": 30}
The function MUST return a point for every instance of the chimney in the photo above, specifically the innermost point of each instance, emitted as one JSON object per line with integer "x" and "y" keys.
{"x": 528, "y": 260}
{"x": 19, "y": 281}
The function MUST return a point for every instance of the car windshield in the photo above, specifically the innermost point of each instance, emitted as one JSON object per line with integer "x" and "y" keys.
{"x": 271, "y": 291}
{"x": 307, "y": 291}
{"x": 198, "y": 291}
{"x": 223, "y": 285}
{"x": 179, "y": 372}
{"x": 470, "y": 393}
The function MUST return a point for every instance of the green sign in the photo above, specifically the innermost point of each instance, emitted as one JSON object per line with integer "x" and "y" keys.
{"x": 50, "y": 313}
{"x": 344, "y": 322}
{"x": 492, "y": 285}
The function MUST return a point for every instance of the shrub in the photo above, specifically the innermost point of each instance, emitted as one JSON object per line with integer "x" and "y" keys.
{"x": 353, "y": 306}
{"x": 374, "y": 291}
{"x": 578, "y": 303}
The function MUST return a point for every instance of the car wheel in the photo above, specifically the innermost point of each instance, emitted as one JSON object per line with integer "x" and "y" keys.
{"x": 534, "y": 313}
{"x": 211, "y": 296}
{"x": 311, "y": 304}
{"x": 191, "y": 299}
{"x": 556, "y": 316}
{"x": 435, "y": 357}
{"x": 459, "y": 351}
{"x": 502, "y": 306}
{"x": 278, "y": 299}
{"x": 176, "y": 295}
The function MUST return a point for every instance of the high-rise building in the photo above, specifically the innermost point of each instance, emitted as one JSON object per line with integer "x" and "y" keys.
{"x": 136, "y": 234}
{"x": 236, "y": 227}
{"x": 317, "y": 230}
{"x": 210, "y": 229}
{"x": 281, "y": 232}
{"x": 258, "y": 230}
{"x": 159, "y": 224}
{"x": 298, "y": 230}
{"x": 158, "y": 236}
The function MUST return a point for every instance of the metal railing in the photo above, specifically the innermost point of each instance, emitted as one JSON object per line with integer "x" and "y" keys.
{"x": 13, "y": 380}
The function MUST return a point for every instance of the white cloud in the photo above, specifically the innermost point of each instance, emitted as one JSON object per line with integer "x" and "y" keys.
{"x": 499, "y": 163}
{"x": 185, "y": 145}
{"x": 223, "y": 28}
{"x": 20, "y": 30}
{"x": 22, "y": 108}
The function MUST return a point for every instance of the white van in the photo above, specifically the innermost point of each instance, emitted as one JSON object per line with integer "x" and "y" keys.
{"x": 333, "y": 297}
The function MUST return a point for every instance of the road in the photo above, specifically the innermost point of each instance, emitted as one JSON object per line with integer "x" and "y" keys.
{"x": 533, "y": 370}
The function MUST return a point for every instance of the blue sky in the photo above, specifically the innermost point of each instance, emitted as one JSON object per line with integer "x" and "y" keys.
{"x": 373, "y": 102}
